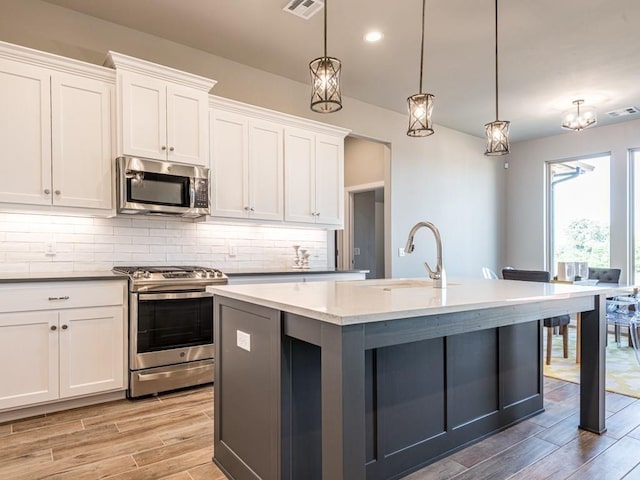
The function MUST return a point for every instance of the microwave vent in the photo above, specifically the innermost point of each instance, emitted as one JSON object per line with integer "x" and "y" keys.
{"x": 304, "y": 8}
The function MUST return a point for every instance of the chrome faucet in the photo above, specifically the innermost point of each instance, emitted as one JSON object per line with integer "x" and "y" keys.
{"x": 438, "y": 276}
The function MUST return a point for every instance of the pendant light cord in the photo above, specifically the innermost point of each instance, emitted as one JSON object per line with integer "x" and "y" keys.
{"x": 496, "y": 12}
{"x": 325, "y": 28}
{"x": 422, "y": 44}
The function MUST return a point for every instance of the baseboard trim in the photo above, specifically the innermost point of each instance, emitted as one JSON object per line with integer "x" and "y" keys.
{"x": 43, "y": 409}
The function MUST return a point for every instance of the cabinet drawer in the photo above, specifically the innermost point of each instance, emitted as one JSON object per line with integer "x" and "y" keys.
{"x": 58, "y": 295}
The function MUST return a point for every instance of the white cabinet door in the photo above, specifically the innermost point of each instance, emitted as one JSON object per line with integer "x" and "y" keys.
{"x": 329, "y": 180}
{"x": 229, "y": 164}
{"x": 299, "y": 190}
{"x": 266, "y": 175}
{"x": 144, "y": 116}
{"x": 28, "y": 358}
{"x": 187, "y": 125}
{"x": 25, "y": 134}
{"x": 91, "y": 350}
{"x": 81, "y": 141}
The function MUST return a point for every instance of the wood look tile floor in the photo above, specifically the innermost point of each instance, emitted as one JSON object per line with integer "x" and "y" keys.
{"x": 171, "y": 437}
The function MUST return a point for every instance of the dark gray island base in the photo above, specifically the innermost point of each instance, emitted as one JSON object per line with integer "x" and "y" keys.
{"x": 308, "y": 399}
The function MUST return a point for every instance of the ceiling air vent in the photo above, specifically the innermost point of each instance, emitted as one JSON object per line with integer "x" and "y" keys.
{"x": 304, "y": 8}
{"x": 621, "y": 112}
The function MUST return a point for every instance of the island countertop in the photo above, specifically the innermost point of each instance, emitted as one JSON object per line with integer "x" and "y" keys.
{"x": 353, "y": 302}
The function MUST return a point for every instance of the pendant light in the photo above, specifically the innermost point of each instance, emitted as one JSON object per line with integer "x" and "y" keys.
{"x": 498, "y": 130}
{"x": 420, "y": 104}
{"x": 325, "y": 79}
{"x": 579, "y": 119}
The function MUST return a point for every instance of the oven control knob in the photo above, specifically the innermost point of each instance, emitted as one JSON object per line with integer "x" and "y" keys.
{"x": 147, "y": 274}
{"x": 138, "y": 274}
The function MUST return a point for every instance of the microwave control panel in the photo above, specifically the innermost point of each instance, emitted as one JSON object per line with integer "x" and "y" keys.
{"x": 202, "y": 193}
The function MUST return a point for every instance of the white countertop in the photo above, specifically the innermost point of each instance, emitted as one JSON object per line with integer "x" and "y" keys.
{"x": 363, "y": 301}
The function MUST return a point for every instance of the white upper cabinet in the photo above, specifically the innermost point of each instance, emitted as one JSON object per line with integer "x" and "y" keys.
{"x": 271, "y": 166}
{"x": 300, "y": 189}
{"x": 55, "y": 128}
{"x": 162, "y": 112}
{"x": 314, "y": 177}
{"x": 246, "y": 165}
{"x": 81, "y": 141}
{"x": 25, "y": 133}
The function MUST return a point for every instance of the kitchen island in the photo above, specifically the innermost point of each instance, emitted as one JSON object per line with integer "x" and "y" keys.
{"x": 375, "y": 379}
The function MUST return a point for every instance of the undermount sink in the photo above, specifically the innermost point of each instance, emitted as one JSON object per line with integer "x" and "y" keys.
{"x": 390, "y": 284}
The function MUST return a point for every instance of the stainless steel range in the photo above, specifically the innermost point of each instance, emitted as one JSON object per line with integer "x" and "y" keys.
{"x": 170, "y": 327}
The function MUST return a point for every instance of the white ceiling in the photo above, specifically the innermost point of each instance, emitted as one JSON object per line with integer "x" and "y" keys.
{"x": 551, "y": 51}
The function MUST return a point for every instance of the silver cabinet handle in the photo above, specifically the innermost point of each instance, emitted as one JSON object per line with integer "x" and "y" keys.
{"x": 246, "y": 208}
{"x": 66, "y": 297}
{"x": 57, "y": 192}
{"x": 53, "y": 328}
{"x": 252, "y": 209}
{"x": 47, "y": 191}
{"x": 171, "y": 149}
{"x": 164, "y": 147}
{"x": 64, "y": 327}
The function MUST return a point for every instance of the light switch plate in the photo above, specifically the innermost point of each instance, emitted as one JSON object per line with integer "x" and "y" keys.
{"x": 243, "y": 340}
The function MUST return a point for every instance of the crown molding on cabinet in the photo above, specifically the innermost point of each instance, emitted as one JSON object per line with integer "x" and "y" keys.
{"x": 120, "y": 61}
{"x": 37, "y": 58}
{"x": 272, "y": 115}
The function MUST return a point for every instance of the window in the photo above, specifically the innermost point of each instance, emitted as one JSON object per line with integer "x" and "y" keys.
{"x": 634, "y": 155}
{"x": 579, "y": 211}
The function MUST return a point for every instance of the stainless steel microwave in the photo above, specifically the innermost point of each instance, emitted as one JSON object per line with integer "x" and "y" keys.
{"x": 146, "y": 186}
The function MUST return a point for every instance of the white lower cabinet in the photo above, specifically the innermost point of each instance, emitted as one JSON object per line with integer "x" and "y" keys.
{"x": 67, "y": 352}
{"x": 91, "y": 355}
{"x": 28, "y": 358}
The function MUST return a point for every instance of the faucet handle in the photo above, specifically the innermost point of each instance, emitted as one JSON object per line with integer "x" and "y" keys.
{"x": 432, "y": 275}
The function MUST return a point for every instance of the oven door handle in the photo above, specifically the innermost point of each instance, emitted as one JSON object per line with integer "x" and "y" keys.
{"x": 173, "y": 295}
{"x": 147, "y": 377}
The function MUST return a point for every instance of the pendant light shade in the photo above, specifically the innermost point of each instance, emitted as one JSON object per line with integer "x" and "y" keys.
{"x": 325, "y": 79}
{"x": 580, "y": 118}
{"x": 420, "y": 104}
{"x": 497, "y": 137}
{"x": 420, "y": 108}
{"x": 498, "y": 130}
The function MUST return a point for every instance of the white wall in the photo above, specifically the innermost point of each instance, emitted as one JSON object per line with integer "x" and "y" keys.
{"x": 444, "y": 178}
{"x": 526, "y": 189}
{"x": 363, "y": 161}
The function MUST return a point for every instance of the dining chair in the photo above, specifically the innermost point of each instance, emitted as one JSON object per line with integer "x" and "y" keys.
{"x": 561, "y": 321}
{"x": 634, "y": 331}
{"x": 603, "y": 275}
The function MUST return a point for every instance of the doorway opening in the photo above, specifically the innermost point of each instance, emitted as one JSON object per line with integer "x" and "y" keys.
{"x": 364, "y": 242}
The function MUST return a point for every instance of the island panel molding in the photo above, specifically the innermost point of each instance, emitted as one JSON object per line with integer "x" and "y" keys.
{"x": 361, "y": 363}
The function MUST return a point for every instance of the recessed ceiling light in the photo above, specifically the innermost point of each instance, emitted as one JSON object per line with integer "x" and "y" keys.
{"x": 373, "y": 37}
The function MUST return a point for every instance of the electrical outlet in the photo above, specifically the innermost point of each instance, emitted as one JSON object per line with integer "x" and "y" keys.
{"x": 243, "y": 340}
{"x": 233, "y": 250}
{"x": 401, "y": 252}
{"x": 356, "y": 251}
{"x": 50, "y": 248}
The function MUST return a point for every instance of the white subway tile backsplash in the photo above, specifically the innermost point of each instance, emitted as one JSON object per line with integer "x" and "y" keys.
{"x": 134, "y": 232}
{"x": 73, "y": 238}
{"x": 45, "y": 267}
{"x": 86, "y": 244}
{"x": 111, "y": 239}
{"x": 6, "y": 267}
{"x": 14, "y": 247}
